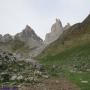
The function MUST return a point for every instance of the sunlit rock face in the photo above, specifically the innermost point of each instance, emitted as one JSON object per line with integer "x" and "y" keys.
{"x": 56, "y": 31}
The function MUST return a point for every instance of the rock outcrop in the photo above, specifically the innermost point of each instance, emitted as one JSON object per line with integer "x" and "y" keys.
{"x": 6, "y": 58}
{"x": 67, "y": 26}
{"x": 29, "y": 37}
{"x": 0, "y": 37}
{"x": 27, "y": 43}
{"x": 56, "y": 31}
{"x": 6, "y": 38}
{"x": 13, "y": 71}
{"x": 24, "y": 42}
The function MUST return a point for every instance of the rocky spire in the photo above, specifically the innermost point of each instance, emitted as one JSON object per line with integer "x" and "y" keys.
{"x": 56, "y": 31}
{"x": 58, "y": 22}
{"x": 67, "y": 26}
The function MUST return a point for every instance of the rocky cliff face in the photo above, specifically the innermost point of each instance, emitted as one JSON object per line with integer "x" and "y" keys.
{"x": 67, "y": 26}
{"x": 23, "y": 42}
{"x": 56, "y": 30}
{"x": 6, "y": 38}
{"x": 29, "y": 37}
{"x": 27, "y": 42}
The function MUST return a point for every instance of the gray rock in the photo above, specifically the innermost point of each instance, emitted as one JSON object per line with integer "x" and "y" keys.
{"x": 67, "y": 26}
{"x": 6, "y": 38}
{"x": 6, "y": 57}
{"x": 35, "y": 64}
{"x": 29, "y": 37}
{"x": 45, "y": 76}
{"x": 39, "y": 66}
{"x": 13, "y": 78}
{"x": 37, "y": 73}
{"x": 20, "y": 77}
{"x": 56, "y": 31}
{"x": 0, "y": 36}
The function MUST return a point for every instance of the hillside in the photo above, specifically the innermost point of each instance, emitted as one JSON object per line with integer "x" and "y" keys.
{"x": 56, "y": 30}
{"x": 76, "y": 34}
{"x": 22, "y": 43}
{"x": 69, "y": 56}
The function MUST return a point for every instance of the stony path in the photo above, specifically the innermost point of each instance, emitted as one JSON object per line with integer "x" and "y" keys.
{"x": 48, "y": 84}
{"x": 52, "y": 84}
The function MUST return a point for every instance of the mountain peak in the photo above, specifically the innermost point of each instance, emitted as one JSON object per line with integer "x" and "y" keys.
{"x": 29, "y": 36}
{"x": 58, "y": 22}
{"x": 28, "y": 32}
{"x": 56, "y": 31}
{"x": 28, "y": 28}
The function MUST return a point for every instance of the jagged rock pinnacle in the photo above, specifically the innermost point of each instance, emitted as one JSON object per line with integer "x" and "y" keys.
{"x": 28, "y": 27}
{"x": 56, "y": 31}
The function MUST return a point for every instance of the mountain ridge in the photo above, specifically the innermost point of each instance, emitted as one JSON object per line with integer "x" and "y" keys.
{"x": 23, "y": 42}
{"x": 69, "y": 55}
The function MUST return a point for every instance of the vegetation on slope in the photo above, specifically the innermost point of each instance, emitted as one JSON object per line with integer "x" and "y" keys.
{"x": 69, "y": 56}
{"x": 75, "y": 35}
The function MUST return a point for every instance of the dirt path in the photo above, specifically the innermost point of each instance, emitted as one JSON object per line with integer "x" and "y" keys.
{"x": 50, "y": 84}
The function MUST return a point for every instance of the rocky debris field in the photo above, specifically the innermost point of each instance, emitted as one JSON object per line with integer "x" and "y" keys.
{"x": 51, "y": 84}
{"x": 28, "y": 74}
{"x": 16, "y": 73}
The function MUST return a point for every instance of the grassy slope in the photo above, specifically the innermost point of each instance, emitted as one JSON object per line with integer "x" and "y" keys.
{"x": 74, "y": 59}
{"x": 76, "y": 34}
{"x": 69, "y": 56}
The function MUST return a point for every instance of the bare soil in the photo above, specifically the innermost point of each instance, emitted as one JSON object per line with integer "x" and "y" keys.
{"x": 51, "y": 84}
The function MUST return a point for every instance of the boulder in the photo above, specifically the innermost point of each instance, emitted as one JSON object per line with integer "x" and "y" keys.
{"x": 20, "y": 77}
{"x": 35, "y": 64}
{"x": 6, "y": 58}
{"x": 13, "y": 78}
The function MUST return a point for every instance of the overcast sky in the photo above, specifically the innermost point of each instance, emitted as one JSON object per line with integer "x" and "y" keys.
{"x": 40, "y": 14}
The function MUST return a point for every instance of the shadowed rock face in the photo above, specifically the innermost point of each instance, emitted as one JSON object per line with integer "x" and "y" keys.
{"x": 5, "y": 38}
{"x": 0, "y": 37}
{"x": 56, "y": 31}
